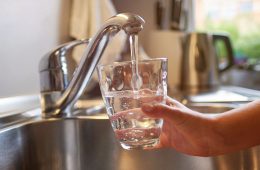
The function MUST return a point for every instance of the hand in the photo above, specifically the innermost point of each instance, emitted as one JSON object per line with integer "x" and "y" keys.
{"x": 185, "y": 130}
{"x": 200, "y": 134}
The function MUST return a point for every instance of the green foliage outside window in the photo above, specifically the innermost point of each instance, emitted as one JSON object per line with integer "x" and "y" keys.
{"x": 246, "y": 43}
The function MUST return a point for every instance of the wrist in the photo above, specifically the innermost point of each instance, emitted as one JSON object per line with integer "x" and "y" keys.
{"x": 218, "y": 143}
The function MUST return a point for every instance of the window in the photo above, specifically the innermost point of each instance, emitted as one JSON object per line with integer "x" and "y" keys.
{"x": 239, "y": 18}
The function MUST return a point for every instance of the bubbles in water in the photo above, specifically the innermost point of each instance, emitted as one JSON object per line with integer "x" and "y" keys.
{"x": 132, "y": 127}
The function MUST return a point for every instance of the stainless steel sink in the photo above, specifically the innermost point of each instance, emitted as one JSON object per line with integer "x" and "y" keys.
{"x": 88, "y": 142}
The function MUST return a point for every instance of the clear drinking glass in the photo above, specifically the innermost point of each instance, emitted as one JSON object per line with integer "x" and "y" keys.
{"x": 125, "y": 86}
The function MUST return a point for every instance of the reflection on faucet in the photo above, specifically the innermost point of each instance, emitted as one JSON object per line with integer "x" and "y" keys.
{"x": 57, "y": 95}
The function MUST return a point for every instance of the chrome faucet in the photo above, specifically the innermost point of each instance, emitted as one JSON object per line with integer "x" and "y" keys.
{"x": 58, "y": 94}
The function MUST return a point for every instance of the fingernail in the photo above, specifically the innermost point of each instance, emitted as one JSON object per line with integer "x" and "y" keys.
{"x": 147, "y": 107}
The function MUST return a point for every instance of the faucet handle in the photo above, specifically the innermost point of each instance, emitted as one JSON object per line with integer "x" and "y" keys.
{"x": 54, "y": 77}
{"x": 53, "y": 67}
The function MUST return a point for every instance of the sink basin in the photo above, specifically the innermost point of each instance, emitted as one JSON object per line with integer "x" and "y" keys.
{"x": 88, "y": 142}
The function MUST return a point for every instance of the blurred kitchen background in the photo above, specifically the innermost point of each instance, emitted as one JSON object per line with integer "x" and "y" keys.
{"x": 29, "y": 29}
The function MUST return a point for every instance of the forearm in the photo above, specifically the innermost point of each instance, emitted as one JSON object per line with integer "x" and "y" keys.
{"x": 237, "y": 129}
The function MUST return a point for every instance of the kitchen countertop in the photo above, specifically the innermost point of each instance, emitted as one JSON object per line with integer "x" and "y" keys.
{"x": 242, "y": 78}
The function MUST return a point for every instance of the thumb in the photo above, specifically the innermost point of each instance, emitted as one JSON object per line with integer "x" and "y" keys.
{"x": 172, "y": 114}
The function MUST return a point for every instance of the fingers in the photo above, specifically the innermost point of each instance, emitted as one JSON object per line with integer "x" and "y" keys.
{"x": 172, "y": 114}
{"x": 151, "y": 99}
{"x": 135, "y": 113}
{"x": 172, "y": 102}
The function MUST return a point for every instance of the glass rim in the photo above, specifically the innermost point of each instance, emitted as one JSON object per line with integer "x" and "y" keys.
{"x": 127, "y": 62}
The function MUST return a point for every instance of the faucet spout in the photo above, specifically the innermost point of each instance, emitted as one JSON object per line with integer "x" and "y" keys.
{"x": 59, "y": 103}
